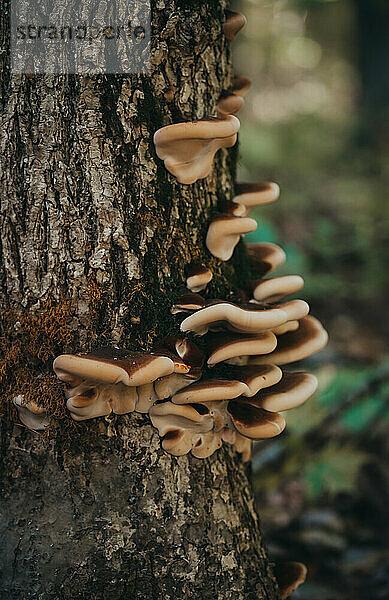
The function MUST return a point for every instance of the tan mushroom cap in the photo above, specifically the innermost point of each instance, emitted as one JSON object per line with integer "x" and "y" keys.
{"x": 295, "y": 310}
{"x": 293, "y": 390}
{"x": 101, "y": 400}
{"x": 178, "y": 442}
{"x": 246, "y": 318}
{"x": 198, "y": 278}
{"x": 309, "y": 338}
{"x": 255, "y": 423}
{"x": 229, "y": 105}
{"x": 256, "y": 194}
{"x": 225, "y": 232}
{"x": 111, "y": 366}
{"x": 165, "y": 387}
{"x": 255, "y": 377}
{"x": 226, "y": 346}
{"x": 167, "y": 417}
{"x": 266, "y": 257}
{"x": 286, "y": 327}
{"x": 233, "y": 24}
{"x": 210, "y": 390}
{"x": 274, "y": 289}
{"x": 34, "y": 417}
{"x": 240, "y": 85}
{"x": 289, "y": 576}
{"x": 188, "y": 149}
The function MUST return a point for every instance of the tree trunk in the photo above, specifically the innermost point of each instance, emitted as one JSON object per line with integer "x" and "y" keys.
{"x": 95, "y": 238}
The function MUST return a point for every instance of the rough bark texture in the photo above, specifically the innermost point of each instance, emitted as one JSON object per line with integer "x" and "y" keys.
{"x": 105, "y": 513}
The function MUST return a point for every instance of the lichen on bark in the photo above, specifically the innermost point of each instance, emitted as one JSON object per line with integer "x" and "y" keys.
{"x": 105, "y": 513}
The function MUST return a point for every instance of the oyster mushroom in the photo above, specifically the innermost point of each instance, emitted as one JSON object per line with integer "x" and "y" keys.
{"x": 225, "y": 232}
{"x": 309, "y": 338}
{"x": 265, "y": 257}
{"x": 198, "y": 277}
{"x": 256, "y": 194}
{"x": 240, "y": 85}
{"x": 233, "y": 24}
{"x": 229, "y": 105}
{"x": 289, "y": 575}
{"x": 238, "y": 346}
{"x": 274, "y": 289}
{"x": 253, "y": 422}
{"x": 34, "y": 417}
{"x": 188, "y": 149}
{"x": 291, "y": 391}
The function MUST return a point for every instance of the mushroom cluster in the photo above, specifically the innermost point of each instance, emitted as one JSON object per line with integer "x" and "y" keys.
{"x": 113, "y": 380}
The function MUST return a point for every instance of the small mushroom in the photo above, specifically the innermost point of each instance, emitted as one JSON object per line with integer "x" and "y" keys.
{"x": 233, "y": 24}
{"x": 256, "y": 194}
{"x": 34, "y": 417}
{"x": 272, "y": 290}
{"x": 229, "y": 105}
{"x": 309, "y": 338}
{"x": 293, "y": 390}
{"x": 225, "y": 232}
{"x": 198, "y": 277}
{"x": 266, "y": 257}
{"x": 289, "y": 575}
{"x": 237, "y": 346}
{"x": 188, "y": 149}
{"x": 240, "y": 85}
{"x": 255, "y": 423}
{"x": 187, "y": 303}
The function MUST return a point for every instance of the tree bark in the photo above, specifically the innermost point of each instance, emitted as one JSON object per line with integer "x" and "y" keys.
{"x": 95, "y": 238}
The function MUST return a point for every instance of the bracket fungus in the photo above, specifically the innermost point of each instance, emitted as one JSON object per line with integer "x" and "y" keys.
{"x": 233, "y": 24}
{"x": 236, "y": 347}
{"x": 31, "y": 415}
{"x": 188, "y": 149}
{"x": 291, "y": 391}
{"x": 309, "y": 338}
{"x": 256, "y": 194}
{"x": 225, "y": 232}
{"x": 240, "y": 85}
{"x": 265, "y": 257}
{"x": 289, "y": 575}
{"x": 229, "y": 105}
{"x": 274, "y": 289}
{"x": 198, "y": 277}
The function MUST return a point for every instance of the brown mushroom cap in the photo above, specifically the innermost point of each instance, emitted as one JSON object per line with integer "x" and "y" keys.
{"x": 225, "y": 232}
{"x": 206, "y": 444}
{"x": 289, "y": 576}
{"x": 165, "y": 387}
{"x": 101, "y": 400}
{"x": 178, "y": 442}
{"x": 286, "y": 327}
{"x": 225, "y": 346}
{"x": 233, "y": 24}
{"x": 293, "y": 390}
{"x": 229, "y": 105}
{"x": 240, "y": 85}
{"x": 187, "y": 303}
{"x": 266, "y": 257}
{"x": 185, "y": 355}
{"x": 198, "y": 277}
{"x": 256, "y": 194}
{"x": 272, "y": 290}
{"x": 34, "y": 417}
{"x": 308, "y": 339}
{"x": 245, "y": 318}
{"x": 255, "y": 423}
{"x": 188, "y": 149}
{"x": 113, "y": 366}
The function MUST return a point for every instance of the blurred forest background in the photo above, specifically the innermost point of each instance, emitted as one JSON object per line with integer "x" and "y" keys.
{"x": 316, "y": 120}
